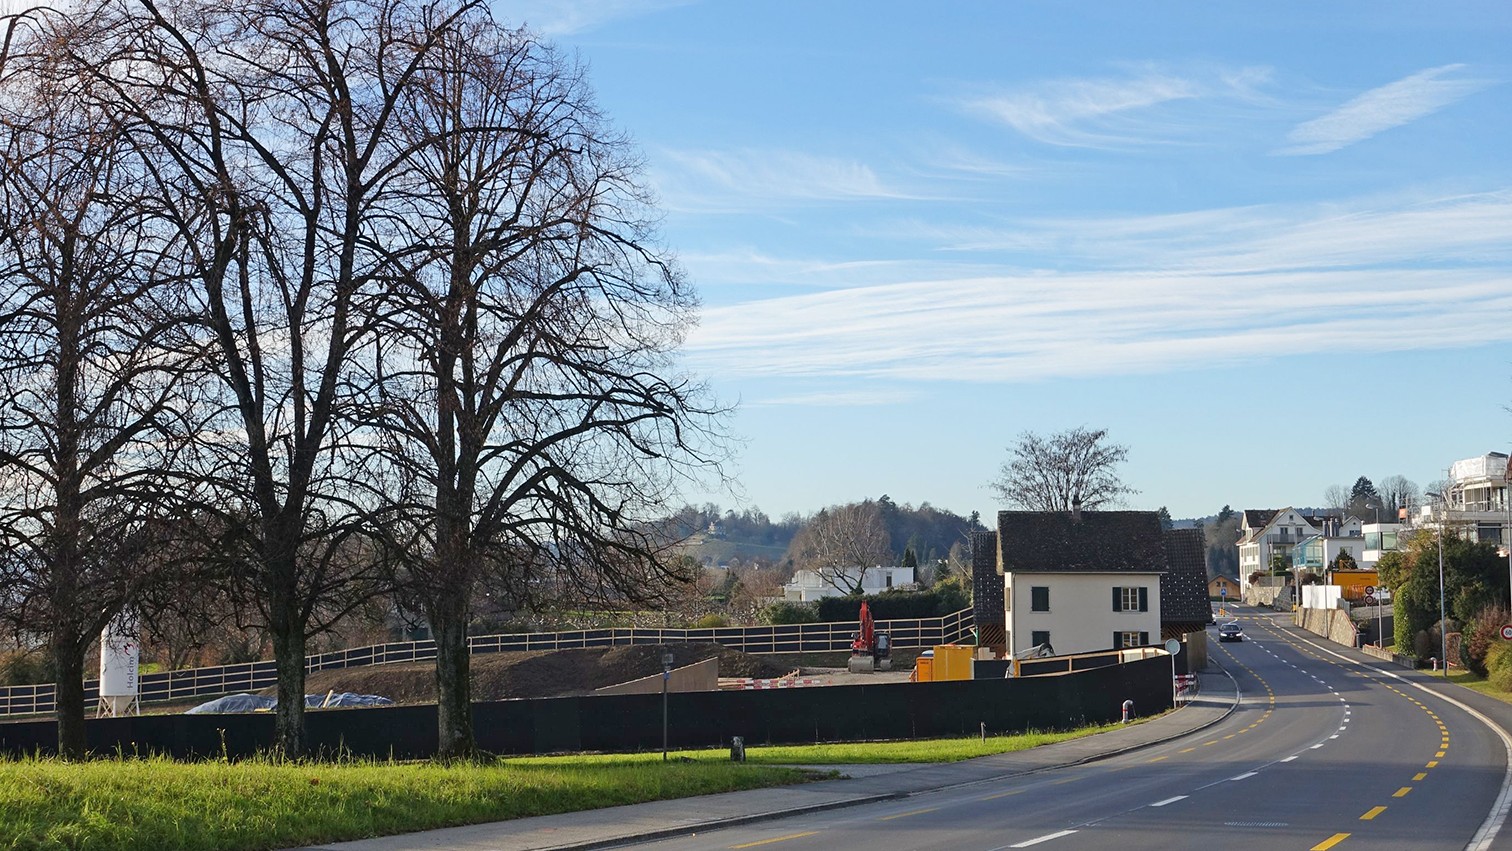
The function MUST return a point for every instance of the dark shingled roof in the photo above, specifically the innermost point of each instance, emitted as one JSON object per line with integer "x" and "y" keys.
{"x": 1183, "y": 587}
{"x": 986, "y": 582}
{"x": 1097, "y": 542}
{"x": 1258, "y": 518}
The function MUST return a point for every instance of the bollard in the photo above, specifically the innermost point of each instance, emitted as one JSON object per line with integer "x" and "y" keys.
{"x": 984, "y": 731}
{"x": 737, "y": 749}
{"x": 1128, "y": 711}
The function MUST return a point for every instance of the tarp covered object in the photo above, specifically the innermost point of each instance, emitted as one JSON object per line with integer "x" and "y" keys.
{"x": 259, "y": 703}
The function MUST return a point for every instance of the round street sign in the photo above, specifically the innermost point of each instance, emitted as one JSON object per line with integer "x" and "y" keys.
{"x": 1370, "y": 600}
{"x": 1223, "y": 590}
{"x": 1370, "y": 590}
{"x": 1507, "y": 632}
{"x": 1173, "y": 646}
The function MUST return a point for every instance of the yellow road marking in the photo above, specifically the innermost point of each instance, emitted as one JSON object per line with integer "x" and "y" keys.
{"x": 1330, "y": 842}
{"x": 1420, "y": 775}
{"x": 776, "y": 839}
{"x": 1186, "y": 750}
{"x": 1439, "y": 755}
{"x": 1159, "y": 758}
{"x": 1213, "y": 742}
{"x": 1002, "y": 795}
{"x": 907, "y": 814}
{"x": 1402, "y": 792}
{"x": 1372, "y": 813}
{"x": 1432, "y": 764}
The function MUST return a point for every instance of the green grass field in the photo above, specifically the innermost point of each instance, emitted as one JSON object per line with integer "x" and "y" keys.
{"x": 259, "y": 804}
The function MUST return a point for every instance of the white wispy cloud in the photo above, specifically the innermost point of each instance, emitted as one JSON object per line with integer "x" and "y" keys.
{"x": 1090, "y": 112}
{"x": 1230, "y": 286}
{"x": 555, "y": 19}
{"x": 834, "y": 399}
{"x": 739, "y": 179}
{"x": 1381, "y": 109}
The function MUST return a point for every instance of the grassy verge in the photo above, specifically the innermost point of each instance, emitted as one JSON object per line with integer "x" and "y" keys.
{"x": 157, "y": 803}
{"x": 258, "y": 804}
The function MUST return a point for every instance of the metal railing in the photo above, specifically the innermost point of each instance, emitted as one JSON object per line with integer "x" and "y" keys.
{"x": 251, "y": 676}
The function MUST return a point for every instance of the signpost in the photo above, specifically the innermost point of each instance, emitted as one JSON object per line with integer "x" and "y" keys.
{"x": 1173, "y": 647}
{"x": 1506, "y": 632}
{"x": 1222, "y": 597}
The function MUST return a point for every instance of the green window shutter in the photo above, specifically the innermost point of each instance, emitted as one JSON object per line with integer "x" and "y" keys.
{"x": 1117, "y": 600}
{"x": 1144, "y": 599}
{"x": 1144, "y": 638}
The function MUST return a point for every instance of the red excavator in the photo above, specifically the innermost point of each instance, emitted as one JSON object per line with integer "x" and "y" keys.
{"x": 870, "y": 650}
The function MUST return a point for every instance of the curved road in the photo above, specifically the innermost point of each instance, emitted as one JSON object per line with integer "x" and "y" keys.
{"x": 1324, "y": 751}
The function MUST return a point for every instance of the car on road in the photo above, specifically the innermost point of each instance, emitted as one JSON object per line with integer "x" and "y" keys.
{"x": 1231, "y": 631}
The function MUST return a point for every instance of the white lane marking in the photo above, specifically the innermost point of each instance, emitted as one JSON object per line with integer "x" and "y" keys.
{"x": 1245, "y": 775}
{"x": 1169, "y": 801}
{"x": 1046, "y": 838}
{"x": 1315, "y": 747}
{"x": 1290, "y": 758}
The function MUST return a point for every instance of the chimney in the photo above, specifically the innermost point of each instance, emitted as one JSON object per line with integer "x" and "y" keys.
{"x": 1076, "y": 510}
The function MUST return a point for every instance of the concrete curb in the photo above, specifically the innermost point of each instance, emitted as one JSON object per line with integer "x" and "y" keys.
{"x": 715, "y": 824}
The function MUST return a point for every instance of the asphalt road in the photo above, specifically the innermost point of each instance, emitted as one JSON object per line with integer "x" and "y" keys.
{"x": 1323, "y": 752}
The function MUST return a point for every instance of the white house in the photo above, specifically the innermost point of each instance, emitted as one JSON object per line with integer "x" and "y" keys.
{"x": 1266, "y": 533}
{"x": 810, "y": 585}
{"x": 1080, "y": 581}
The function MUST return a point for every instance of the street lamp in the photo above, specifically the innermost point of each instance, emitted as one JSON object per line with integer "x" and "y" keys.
{"x": 1443, "y": 631}
{"x": 666, "y": 661}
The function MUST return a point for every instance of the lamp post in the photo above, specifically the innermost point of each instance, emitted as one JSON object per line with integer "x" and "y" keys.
{"x": 1443, "y": 631}
{"x": 666, "y": 661}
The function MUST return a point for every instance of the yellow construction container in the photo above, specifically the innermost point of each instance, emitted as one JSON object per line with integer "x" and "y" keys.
{"x": 952, "y": 662}
{"x": 923, "y": 669}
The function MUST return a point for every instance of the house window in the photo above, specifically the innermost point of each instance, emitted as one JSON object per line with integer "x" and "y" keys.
{"x": 1039, "y": 637}
{"x": 1130, "y": 639}
{"x": 1131, "y": 599}
{"x": 889, "y": 579}
{"x": 1039, "y": 599}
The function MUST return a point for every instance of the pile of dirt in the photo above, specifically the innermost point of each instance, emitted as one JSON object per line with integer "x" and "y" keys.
{"x": 541, "y": 673}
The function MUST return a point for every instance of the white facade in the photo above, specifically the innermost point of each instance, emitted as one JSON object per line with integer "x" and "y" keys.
{"x": 810, "y": 585}
{"x": 1259, "y": 544}
{"x": 1479, "y": 506}
{"x": 1080, "y": 616}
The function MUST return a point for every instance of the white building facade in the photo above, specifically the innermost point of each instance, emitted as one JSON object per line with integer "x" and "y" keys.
{"x": 810, "y": 585}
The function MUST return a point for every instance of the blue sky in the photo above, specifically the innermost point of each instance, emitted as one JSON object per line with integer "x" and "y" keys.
{"x": 1267, "y": 246}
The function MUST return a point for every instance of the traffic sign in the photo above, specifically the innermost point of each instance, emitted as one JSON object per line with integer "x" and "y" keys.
{"x": 1370, "y": 590}
{"x": 1507, "y": 632}
{"x": 1370, "y": 600}
{"x": 1223, "y": 590}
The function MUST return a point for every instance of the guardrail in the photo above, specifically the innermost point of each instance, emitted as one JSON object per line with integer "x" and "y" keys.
{"x": 788, "y": 638}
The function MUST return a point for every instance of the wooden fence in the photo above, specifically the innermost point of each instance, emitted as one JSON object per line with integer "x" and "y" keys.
{"x": 788, "y": 638}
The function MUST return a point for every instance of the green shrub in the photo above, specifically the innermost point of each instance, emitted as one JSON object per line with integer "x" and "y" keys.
{"x": 19, "y": 668}
{"x": 1501, "y": 678}
{"x": 710, "y": 621}
{"x": 788, "y": 611}
{"x": 943, "y": 599}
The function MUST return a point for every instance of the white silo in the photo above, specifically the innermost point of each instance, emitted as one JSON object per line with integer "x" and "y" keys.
{"x": 120, "y": 654}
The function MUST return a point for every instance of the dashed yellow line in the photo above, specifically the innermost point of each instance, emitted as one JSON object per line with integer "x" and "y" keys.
{"x": 1330, "y": 842}
{"x": 775, "y": 839}
{"x": 1003, "y": 795}
{"x": 1420, "y": 775}
{"x": 907, "y": 814}
{"x": 1402, "y": 792}
{"x": 1372, "y": 813}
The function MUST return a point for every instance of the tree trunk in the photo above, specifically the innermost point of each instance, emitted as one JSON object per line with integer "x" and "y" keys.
{"x": 289, "y": 652}
{"x": 68, "y": 661}
{"x": 454, "y": 728}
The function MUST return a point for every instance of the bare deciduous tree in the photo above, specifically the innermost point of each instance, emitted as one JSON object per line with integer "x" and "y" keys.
{"x": 1336, "y": 497}
{"x": 271, "y": 126}
{"x": 841, "y": 543}
{"x": 1397, "y": 492}
{"x": 1077, "y": 467}
{"x": 93, "y": 357}
{"x": 530, "y": 420}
